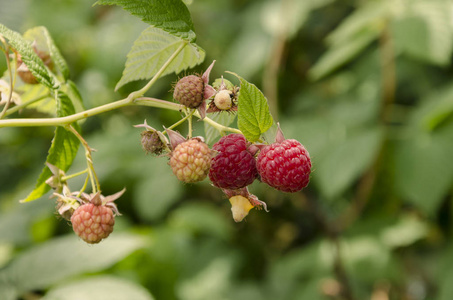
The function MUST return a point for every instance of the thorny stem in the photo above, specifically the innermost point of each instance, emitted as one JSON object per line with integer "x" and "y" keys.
{"x": 11, "y": 85}
{"x": 91, "y": 172}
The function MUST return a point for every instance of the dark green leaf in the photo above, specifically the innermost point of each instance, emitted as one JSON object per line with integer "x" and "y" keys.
{"x": 169, "y": 15}
{"x": 63, "y": 150}
{"x": 29, "y": 57}
{"x": 150, "y": 52}
{"x": 254, "y": 117}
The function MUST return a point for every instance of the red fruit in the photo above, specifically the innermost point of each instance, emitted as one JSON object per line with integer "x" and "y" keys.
{"x": 93, "y": 222}
{"x": 285, "y": 166}
{"x": 234, "y": 166}
{"x": 191, "y": 160}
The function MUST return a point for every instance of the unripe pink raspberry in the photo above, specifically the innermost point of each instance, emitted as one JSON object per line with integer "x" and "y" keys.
{"x": 189, "y": 91}
{"x": 234, "y": 166}
{"x": 285, "y": 165}
{"x": 190, "y": 160}
{"x": 93, "y": 222}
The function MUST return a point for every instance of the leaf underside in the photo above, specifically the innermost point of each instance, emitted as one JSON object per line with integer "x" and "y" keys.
{"x": 150, "y": 52}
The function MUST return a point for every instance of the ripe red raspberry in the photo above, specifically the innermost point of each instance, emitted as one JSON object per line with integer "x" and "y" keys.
{"x": 285, "y": 166}
{"x": 93, "y": 222}
{"x": 189, "y": 91}
{"x": 234, "y": 166}
{"x": 191, "y": 160}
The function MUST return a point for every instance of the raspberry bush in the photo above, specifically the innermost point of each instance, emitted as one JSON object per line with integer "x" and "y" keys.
{"x": 231, "y": 162}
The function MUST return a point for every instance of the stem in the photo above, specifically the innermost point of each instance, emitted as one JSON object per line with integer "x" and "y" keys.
{"x": 23, "y": 105}
{"x": 130, "y": 100}
{"x": 91, "y": 172}
{"x": 143, "y": 90}
{"x": 11, "y": 84}
{"x": 190, "y": 123}
{"x": 179, "y": 122}
{"x": 66, "y": 178}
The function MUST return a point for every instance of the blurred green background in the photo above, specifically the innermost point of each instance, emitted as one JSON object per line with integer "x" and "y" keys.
{"x": 366, "y": 86}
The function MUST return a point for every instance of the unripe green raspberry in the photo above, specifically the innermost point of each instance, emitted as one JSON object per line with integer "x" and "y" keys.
{"x": 190, "y": 161}
{"x": 223, "y": 100}
{"x": 189, "y": 91}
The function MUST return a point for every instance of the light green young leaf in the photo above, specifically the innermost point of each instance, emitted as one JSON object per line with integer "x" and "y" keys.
{"x": 29, "y": 57}
{"x": 171, "y": 16}
{"x": 223, "y": 118}
{"x": 152, "y": 49}
{"x": 63, "y": 150}
{"x": 60, "y": 258}
{"x": 254, "y": 117}
{"x": 99, "y": 287}
{"x": 42, "y": 36}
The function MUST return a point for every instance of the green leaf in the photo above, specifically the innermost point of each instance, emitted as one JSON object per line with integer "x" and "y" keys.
{"x": 42, "y": 36}
{"x": 150, "y": 52}
{"x": 29, "y": 57}
{"x": 60, "y": 258}
{"x": 352, "y": 36}
{"x": 424, "y": 168}
{"x": 63, "y": 150}
{"x": 223, "y": 118}
{"x": 424, "y": 31}
{"x": 55, "y": 54}
{"x": 151, "y": 208}
{"x": 100, "y": 287}
{"x": 169, "y": 15}
{"x": 342, "y": 164}
{"x": 254, "y": 117}
{"x": 341, "y": 54}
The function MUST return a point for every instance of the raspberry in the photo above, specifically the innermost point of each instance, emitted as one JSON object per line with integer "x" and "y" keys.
{"x": 93, "y": 222}
{"x": 189, "y": 91}
{"x": 191, "y": 160}
{"x": 285, "y": 166}
{"x": 234, "y": 166}
{"x": 152, "y": 143}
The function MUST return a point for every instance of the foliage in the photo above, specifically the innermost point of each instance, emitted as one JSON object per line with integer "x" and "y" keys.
{"x": 364, "y": 85}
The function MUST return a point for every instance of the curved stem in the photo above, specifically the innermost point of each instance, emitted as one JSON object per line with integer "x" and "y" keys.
{"x": 91, "y": 172}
